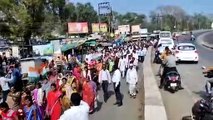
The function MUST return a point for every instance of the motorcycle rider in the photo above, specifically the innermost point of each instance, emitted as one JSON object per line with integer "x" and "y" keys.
{"x": 192, "y": 36}
{"x": 169, "y": 63}
{"x": 162, "y": 57}
{"x": 209, "y": 83}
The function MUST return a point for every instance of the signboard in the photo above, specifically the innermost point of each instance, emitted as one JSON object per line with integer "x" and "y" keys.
{"x": 77, "y": 27}
{"x": 135, "y": 28}
{"x": 124, "y": 29}
{"x": 95, "y": 27}
{"x": 56, "y": 46}
{"x": 143, "y": 31}
{"x": 15, "y": 51}
{"x": 43, "y": 49}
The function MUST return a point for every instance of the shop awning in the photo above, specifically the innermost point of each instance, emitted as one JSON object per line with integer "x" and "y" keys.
{"x": 90, "y": 43}
{"x": 72, "y": 45}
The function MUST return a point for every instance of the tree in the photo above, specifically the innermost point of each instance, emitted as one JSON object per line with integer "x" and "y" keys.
{"x": 168, "y": 17}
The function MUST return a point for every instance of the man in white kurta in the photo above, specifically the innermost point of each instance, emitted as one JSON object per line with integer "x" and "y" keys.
{"x": 132, "y": 79}
{"x": 79, "y": 110}
{"x": 122, "y": 66}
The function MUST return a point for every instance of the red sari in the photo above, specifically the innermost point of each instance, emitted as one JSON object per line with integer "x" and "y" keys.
{"x": 53, "y": 103}
{"x": 89, "y": 94}
{"x": 77, "y": 74}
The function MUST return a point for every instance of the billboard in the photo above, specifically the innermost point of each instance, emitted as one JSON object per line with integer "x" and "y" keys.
{"x": 124, "y": 29}
{"x": 135, "y": 28}
{"x": 77, "y": 27}
{"x": 95, "y": 27}
{"x": 43, "y": 49}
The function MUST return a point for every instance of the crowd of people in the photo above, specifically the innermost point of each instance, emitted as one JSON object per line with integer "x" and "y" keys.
{"x": 71, "y": 88}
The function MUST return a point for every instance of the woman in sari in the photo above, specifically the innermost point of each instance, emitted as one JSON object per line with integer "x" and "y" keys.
{"x": 54, "y": 103}
{"x": 53, "y": 76}
{"x": 66, "y": 90}
{"x": 30, "y": 109}
{"x": 38, "y": 95}
{"x": 77, "y": 74}
{"x": 89, "y": 93}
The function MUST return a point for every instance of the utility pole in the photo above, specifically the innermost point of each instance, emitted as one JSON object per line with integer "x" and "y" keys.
{"x": 161, "y": 23}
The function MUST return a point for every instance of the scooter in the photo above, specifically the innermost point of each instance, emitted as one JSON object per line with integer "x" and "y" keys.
{"x": 172, "y": 81}
{"x": 201, "y": 110}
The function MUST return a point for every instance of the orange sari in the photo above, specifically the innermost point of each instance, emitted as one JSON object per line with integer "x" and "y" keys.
{"x": 54, "y": 105}
{"x": 89, "y": 94}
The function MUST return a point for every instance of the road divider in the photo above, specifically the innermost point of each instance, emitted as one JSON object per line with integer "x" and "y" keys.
{"x": 203, "y": 38}
{"x": 154, "y": 107}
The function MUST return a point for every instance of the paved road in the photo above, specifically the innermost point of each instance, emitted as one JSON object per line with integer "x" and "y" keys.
{"x": 132, "y": 109}
{"x": 179, "y": 104}
{"x": 208, "y": 39}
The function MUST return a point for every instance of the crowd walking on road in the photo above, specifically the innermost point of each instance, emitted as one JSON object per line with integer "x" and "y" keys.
{"x": 71, "y": 88}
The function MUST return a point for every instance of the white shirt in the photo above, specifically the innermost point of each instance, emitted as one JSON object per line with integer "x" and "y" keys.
{"x": 132, "y": 76}
{"x": 135, "y": 55}
{"x": 116, "y": 77}
{"x": 80, "y": 112}
{"x": 104, "y": 75}
{"x": 122, "y": 64}
{"x": 144, "y": 51}
{"x": 88, "y": 57}
{"x": 4, "y": 83}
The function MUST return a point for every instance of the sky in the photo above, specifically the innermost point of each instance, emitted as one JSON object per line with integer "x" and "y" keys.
{"x": 145, "y": 6}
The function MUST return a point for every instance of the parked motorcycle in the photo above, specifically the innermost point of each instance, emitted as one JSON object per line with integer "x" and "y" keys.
{"x": 172, "y": 81}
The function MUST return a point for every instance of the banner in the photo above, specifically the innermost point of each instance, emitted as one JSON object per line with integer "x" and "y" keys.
{"x": 56, "y": 46}
{"x": 95, "y": 27}
{"x": 124, "y": 29}
{"x": 136, "y": 28}
{"x": 43, "y": 49}
{"x": 77, "y": 27}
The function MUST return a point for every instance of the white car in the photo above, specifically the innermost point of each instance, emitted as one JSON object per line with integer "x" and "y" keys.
{"x": 165, "y": 42}
{"x": 165, "y": 34}
{"x": 186, "y": 52}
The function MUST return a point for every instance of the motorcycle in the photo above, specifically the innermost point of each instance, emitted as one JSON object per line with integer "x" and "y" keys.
{"x": 157, "y": 59}
{"x": 172, "y": 81}
{"x": 201, "y": 110}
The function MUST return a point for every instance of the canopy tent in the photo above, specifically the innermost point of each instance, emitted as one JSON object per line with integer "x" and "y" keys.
{"x": 72, "y": 45}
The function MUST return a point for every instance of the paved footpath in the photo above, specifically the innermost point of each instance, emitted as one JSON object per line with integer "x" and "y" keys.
{"x": 132, "y": 109}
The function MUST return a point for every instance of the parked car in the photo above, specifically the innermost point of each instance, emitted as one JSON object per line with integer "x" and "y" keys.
{"x": 186, "y": 52}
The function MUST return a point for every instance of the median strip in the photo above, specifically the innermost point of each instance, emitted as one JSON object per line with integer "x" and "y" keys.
{"x": 154, "y": 107}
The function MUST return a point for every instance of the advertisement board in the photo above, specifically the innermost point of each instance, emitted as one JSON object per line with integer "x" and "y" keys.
{"x": 135, "y": 28}
{"x": 43, "y": 49}
{"x": 124, "y": 29}
{"x": 77, "y": 27}
{"x": 95, "y": 27}
{"x": 56, "y": 46}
